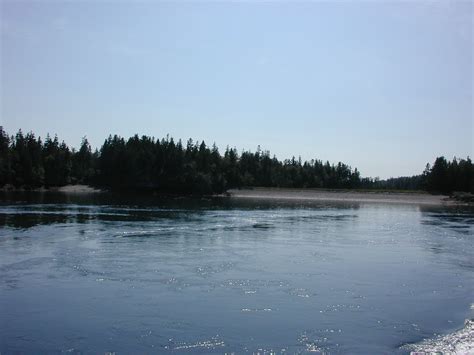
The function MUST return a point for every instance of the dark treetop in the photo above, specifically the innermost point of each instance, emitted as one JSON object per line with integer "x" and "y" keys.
{"x": 145, "y": 163}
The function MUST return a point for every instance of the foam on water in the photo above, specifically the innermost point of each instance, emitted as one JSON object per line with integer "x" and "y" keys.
{"x": 210, "y": 344}
{"x": 460, "y": 342}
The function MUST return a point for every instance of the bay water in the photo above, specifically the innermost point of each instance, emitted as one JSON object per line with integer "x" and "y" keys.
{"x": 126, "y": 274}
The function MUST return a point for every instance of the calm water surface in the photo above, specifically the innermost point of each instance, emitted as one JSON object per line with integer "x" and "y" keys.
{"x": 143, "y": 275}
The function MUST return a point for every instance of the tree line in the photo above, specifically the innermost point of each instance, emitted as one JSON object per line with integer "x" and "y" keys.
{"x": 166, "y": 165}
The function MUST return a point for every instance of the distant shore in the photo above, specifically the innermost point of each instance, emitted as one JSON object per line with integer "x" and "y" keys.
{"x": 294, "y": 194}
{"x": 74, "y": 189}
{"x": 418, "y": 198}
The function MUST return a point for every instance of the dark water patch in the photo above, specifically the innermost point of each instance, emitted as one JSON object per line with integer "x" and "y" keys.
{"x": 262, "y": 225}
{"x": 27, "y": 264}
{"x": 29, "y": 220}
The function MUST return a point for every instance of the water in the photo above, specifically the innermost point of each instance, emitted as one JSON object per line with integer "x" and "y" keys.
{"x": 144, "y": 275}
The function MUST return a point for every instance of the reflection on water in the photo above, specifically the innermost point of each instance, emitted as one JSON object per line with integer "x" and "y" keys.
{"x": 135, "y": 274}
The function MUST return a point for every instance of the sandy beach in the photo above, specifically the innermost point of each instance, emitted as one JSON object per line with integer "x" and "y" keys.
{"x": 80, "y": 189}
{"x": 343, "y": 196}
{"x": 73, "y": 189}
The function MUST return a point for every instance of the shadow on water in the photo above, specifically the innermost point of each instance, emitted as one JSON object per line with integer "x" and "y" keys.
{"x": 459, "y": 219}
{"x": 456, "y": 217}
{"x": 142, "y": 200}
{"x": 451, "y": 231}
{"x": 28, "y": 209}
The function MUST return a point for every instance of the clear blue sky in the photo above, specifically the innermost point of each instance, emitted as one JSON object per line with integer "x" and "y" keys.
{"x": 383, "y": 86}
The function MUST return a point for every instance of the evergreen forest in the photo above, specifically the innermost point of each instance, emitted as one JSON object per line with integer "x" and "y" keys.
{"x": 169, "y": 166}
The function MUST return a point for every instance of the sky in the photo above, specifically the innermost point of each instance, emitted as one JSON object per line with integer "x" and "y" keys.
{"x": 382, "y": 86}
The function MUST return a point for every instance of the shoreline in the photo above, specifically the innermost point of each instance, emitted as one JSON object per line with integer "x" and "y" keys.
{"x": 68, "y": 189}
{"x": 288, "y": 194}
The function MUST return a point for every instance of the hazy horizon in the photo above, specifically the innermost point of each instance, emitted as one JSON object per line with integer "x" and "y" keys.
{"x": 383, "y": 87}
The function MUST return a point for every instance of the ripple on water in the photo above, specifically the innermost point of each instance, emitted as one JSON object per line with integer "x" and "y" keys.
{"x": 318, "y": 341}
{"x": 208, "y": 270}
{"x": 255, "y": 310}
{"x": 259, "y": 268}
{"x": 263, "y": 225}
{"x": 27, "y": 264}
{"x": 300, "y": 292}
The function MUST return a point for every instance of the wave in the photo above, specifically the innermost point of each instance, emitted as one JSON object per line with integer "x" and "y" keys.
{"x": 459, "y": 342}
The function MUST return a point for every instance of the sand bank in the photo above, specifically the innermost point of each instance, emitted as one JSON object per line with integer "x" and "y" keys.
{"x": 74, "y": 189}
{"x": 81, "y": 189}
{"x": 342, "y": 195}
